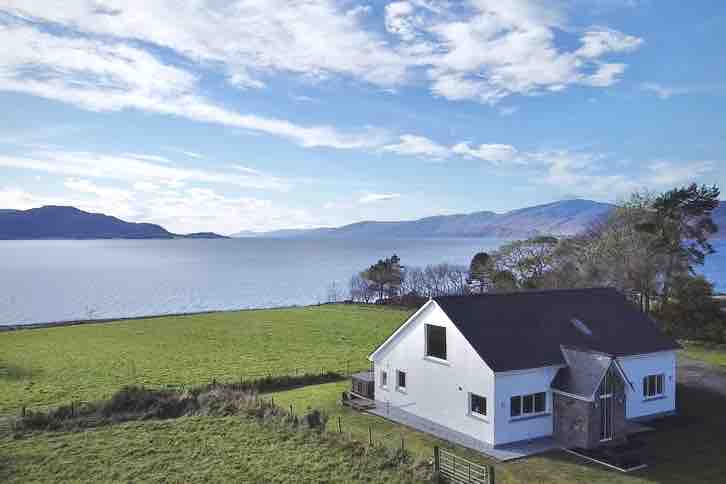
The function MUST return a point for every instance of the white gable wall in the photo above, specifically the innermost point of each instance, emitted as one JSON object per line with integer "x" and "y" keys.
{"x": 518, "y": 383}
{"x": 639, "y": 366}
{"x": 434, "y": 390}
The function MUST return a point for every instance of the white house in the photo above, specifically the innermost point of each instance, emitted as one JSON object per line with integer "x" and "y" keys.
{"x": 507, "y": 367}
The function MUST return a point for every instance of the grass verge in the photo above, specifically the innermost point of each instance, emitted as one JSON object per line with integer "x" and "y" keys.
{"x": 88, "y": 362}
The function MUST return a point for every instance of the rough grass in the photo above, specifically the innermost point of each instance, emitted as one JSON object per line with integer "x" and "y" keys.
{"x": 191, "y": 449}
{"x": 712, "y": 353}
{"x": 51, "y": 366}
{"x": 689, "y": 448}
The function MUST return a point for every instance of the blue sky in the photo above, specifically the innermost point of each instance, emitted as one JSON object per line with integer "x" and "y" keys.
{"x": 267, "y": 114}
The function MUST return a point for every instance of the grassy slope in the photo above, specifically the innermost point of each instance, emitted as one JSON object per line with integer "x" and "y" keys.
{"x": 55, "y": 365}
{"x": 201, "y": 449}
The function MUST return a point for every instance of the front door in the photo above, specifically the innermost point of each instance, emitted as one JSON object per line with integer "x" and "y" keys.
{"x": 607, "y": 394}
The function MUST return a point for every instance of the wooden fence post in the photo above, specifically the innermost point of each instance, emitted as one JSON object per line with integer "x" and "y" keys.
{"x": 437, "y": 459}
{"x": 490, "y": 474}
{"x": 370, "y": 435}
{"x": 340, "y": 426}
{"x": 292, "y": 413}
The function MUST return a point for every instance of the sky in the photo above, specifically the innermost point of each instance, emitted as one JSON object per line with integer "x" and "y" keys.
{"x": 226, "y": 116}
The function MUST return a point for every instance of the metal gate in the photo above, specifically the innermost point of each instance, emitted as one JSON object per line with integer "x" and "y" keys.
{"x": 457, "y": 470}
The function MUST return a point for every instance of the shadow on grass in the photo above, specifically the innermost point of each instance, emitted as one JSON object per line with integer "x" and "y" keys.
{"x": 686, "y": 447}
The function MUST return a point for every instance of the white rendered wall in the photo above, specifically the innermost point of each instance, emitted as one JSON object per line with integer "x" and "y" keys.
{"x": 436, "y": 391}
{"x": 637, "y": 367}
{"x": 516, "y": 383}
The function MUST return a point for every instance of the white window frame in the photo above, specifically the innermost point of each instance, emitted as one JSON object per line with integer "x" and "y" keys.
{"x": 533, "y": 413}
{"x": 646, "y": 386}
{"x": 482, "y": 416}
{"x": 384, "y": 379}
{"x": 400, "y": 388}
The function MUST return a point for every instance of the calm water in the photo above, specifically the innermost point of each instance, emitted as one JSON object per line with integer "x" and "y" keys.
{"x": 43, "y": 281}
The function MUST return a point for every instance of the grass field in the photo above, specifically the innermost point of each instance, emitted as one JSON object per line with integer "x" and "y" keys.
{"x": 200, "y": 449}
{"x": 55, "y": 365}
{"x": 710, "y": 353}
{"x": 688, "y": 450}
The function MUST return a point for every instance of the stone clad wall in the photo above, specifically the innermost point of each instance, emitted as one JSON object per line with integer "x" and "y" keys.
{"x": 571, "y": 421}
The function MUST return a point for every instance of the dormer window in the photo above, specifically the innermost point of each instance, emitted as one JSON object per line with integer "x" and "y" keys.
{"x": 436, "y": 341}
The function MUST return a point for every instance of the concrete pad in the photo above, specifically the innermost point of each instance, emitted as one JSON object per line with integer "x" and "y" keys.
{"x": 503, "y": 453}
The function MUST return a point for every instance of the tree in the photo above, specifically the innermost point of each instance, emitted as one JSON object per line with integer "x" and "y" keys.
{"x": 385, "y": 277}
{"x": 360, "y": 290}
{"x": 480, "y": 271}
{"x": 681, "y": 223}
{"x": 692, "y": 311}
{"x": 526, "y": 260}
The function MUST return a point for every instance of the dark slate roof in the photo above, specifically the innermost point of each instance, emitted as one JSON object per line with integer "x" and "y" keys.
{"x": 583, "y": 374}
{"x": 520, "y": 330}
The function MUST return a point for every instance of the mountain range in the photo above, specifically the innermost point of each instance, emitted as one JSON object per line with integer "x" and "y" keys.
{"x": 565, "y": 217}
{"x": 58, "y": 222}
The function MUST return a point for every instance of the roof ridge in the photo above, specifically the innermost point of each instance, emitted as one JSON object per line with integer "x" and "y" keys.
{"x": 530, "y": 291}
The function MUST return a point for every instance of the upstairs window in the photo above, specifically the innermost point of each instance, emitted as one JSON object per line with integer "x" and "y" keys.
{"x": 436, "y": 341}
{"x": 653, "y": 386}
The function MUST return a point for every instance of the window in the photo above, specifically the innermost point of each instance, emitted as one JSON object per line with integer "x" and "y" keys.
{"x": 384, "y": 378}
{"x": 477, "y": 404}
{"x": 401, "y": 380}
{"x": 527, "y": 405}
{"x": 653, "y": 386}
{"x": 436, "y": 341}
{"x": 516, "y": 406}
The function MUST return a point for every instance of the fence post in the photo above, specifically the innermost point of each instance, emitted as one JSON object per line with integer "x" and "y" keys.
{"x": 291, "y": 411}
{"x": 273, "y": 401}
{"x": 370, "y": 435}
{"x": 340, "y": 426}
{"x": 490, "y": 474}
{"x": 437, "y": 459}
{"x": 403, "y": 445}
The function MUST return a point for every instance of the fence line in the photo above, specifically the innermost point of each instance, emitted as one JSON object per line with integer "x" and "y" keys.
{"x": 452, "y": 469}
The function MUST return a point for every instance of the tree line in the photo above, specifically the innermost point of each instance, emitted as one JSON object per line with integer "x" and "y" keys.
{"x": 648, "y": 248}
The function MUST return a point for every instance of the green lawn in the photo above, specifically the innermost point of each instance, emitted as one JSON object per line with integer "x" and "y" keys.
{"x": 708, "y": 352}
{"x": 690, "y": 451}
{"x": 54, "y": 365}
{"x": 200, "y": 449}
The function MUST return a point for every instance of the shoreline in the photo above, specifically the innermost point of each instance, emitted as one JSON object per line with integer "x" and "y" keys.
{"x": 79, "y": 322}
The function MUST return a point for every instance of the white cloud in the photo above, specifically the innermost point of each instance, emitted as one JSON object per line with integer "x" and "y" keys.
{"x": 597, "y": 42}
{"x": 663, "y": 92}
{"x": 312, "y": 37}
{"x": 670, "y": 173}
{"x": 495, "y": 153}
{"x": 131, "y": 170}
{"x": 480, "y": 50}
{"x": 378, "y": 197}
{"x": 413, "y": 145}
{"x": 112, "y": 76}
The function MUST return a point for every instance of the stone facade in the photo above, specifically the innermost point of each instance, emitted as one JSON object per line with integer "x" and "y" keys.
{"x": 578, "y": 423}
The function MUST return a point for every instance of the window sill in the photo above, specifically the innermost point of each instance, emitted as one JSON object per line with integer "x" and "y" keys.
{"x": 401, "y": 390}
{"x": 656, "y": 397}
{"x": 479, "y": 416}
{"x": 438, "y": 361}
{"x": 529, "y": 417}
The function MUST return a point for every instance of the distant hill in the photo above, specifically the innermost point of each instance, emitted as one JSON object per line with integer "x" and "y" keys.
{"x": 565, "y": 217}
{"x": 58, "y": 222}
